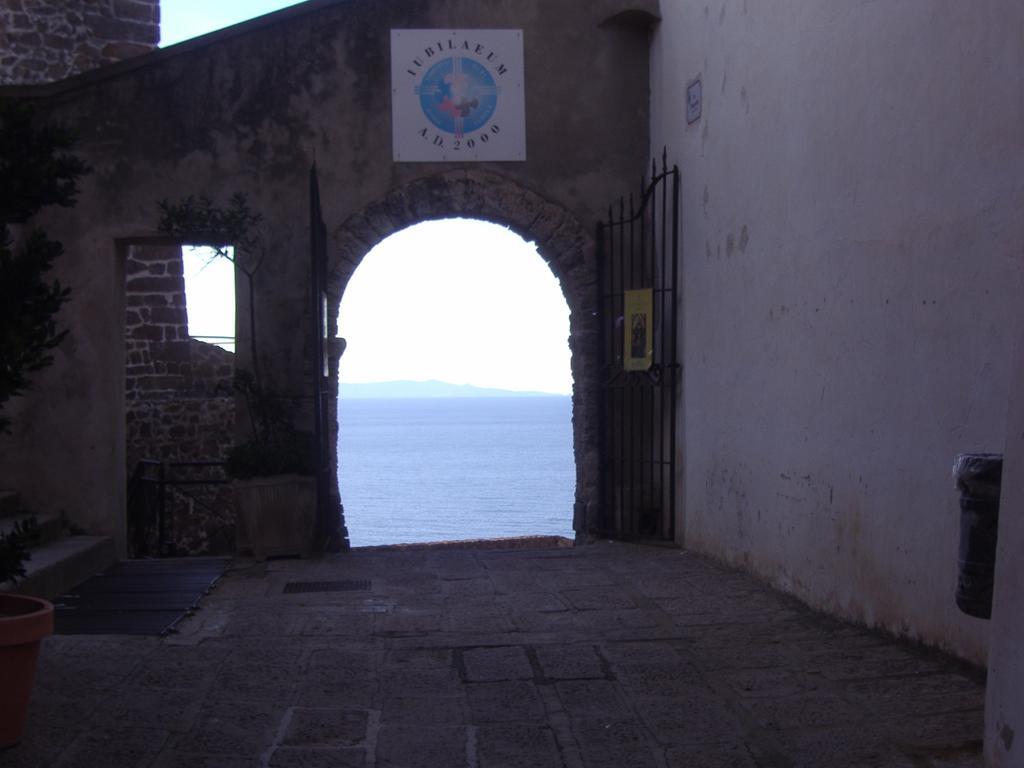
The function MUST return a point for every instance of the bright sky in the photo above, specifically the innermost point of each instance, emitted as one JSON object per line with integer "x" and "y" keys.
{"x": 462, "y": 301}
{"x": 210, "y": 294}
{"x": 185, "y": 19}
{"x": 465, "y": 302}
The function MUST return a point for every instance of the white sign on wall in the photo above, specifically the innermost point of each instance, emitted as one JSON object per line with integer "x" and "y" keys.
{"x": 457, "y": 95}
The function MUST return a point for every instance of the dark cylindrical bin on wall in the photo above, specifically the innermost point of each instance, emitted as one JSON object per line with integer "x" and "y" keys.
{"x": 978, "y": 477}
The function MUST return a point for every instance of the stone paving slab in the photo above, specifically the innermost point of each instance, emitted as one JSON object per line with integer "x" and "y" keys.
{"x": 605, "y": 656}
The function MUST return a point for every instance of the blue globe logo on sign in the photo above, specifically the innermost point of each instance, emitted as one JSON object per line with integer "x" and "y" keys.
{"x": 458, "y": 95}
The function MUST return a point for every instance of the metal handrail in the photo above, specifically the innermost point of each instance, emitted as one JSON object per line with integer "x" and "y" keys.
{"x": 163, "y": 481}
{"x": 219, "y": 341}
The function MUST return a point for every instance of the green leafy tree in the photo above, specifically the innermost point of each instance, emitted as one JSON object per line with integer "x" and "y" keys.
{"x": 37, "y": 171}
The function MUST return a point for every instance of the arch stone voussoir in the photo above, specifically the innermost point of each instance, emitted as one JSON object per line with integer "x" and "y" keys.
{"x": 566, "y": 245}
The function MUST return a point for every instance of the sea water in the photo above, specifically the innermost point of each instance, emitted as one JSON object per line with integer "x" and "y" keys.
{"x": 442, "y": 469}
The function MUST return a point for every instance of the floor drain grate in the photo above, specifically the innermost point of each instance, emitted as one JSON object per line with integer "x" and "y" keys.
{"x": 353, "y": 585}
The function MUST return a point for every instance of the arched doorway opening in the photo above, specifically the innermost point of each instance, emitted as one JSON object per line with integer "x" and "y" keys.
{"x": 563, "y": 243}
{"x": 454, "y": 406}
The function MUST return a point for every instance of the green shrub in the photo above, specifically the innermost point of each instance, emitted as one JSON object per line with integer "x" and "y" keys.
{"x": 14, "y": 548}
{"x": 289, "y": 454}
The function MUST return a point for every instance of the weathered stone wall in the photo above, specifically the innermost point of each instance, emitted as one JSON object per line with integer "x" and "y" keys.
{"x": 247, "y": 110}
{"x": 46, "y": 40}
{"x": 178, "y": 402}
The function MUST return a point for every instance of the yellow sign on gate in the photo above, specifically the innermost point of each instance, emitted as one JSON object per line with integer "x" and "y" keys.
{"x": 638, "y": 327}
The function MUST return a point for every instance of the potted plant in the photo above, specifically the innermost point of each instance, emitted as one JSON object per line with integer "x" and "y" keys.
{"x": 24, "y": 622}
{"x": 275, "y": 493}
{"x": 273, "y": 467}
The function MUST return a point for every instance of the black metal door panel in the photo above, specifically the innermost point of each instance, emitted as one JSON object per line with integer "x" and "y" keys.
{"x": 638, "y": 261}
{"x": 327, "y": 513}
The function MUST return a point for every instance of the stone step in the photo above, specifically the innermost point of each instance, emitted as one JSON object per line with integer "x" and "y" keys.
{"x": 62, "y": 564}
{"x": 51, "y": 527}
{"x": 10, "y": 504}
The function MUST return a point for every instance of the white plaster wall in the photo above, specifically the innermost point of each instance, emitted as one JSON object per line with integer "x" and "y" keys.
{"x": 1004, "y": 706}
{"x": 852, "y": 237}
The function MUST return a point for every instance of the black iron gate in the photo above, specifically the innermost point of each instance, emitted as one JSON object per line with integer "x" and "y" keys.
{"x": 638, "y": 262}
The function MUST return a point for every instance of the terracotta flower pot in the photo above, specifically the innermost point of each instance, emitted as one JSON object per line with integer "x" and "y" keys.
{"x": 24, "y": 622}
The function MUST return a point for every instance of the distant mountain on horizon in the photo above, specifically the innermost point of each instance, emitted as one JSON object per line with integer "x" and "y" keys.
{"x": 427, "y": 389}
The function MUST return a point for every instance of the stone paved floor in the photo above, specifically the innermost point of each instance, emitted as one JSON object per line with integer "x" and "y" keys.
{"x": 608, "y": 656}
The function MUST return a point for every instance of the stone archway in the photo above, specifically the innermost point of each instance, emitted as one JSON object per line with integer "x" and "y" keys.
{"x": 565, "y": 244}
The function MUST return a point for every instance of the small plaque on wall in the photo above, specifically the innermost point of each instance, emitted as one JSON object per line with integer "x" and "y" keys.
{"x": 638, "y": 340}
{"x": 693, "y": 101}
{"x": 457, "y": 95}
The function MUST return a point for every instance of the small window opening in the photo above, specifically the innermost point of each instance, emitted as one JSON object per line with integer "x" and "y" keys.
{"x": 210, "y": 295}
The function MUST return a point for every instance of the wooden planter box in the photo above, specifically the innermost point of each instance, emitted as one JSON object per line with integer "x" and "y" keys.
{"x": 276, "y": 515}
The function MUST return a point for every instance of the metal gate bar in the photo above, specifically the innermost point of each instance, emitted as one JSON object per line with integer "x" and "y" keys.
{"x": 638, "y": 248}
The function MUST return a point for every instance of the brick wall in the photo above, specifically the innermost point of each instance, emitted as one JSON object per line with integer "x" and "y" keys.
{"x": 46, "y": 40}
{"x": 178, "y": 402}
